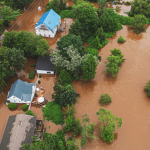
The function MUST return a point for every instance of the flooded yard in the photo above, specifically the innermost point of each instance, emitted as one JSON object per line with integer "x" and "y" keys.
{"x": 129, "y": 100}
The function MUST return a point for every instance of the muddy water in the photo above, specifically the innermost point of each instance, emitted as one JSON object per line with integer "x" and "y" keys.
{"x": 129, "y": 101}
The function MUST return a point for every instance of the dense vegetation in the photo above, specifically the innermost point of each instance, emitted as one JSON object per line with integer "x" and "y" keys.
{"x": 140, "y": 7}
{"x": 63, "y": 95}
{"x": 17, "y": 4}
{"x": 52, "y": 111}
{"x": 108, "y": 123}
{"x": 138, "y": 23}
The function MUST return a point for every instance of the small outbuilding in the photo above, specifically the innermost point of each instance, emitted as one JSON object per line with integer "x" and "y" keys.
{"x": 18, "y": 131}
{"x": 44, "y": 65}
{"x": 48, "y": 24}
{"x": 21, "y": 92}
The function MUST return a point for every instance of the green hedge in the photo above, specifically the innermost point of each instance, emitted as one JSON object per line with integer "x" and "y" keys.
{"x": 24, "y": 107}
{"x": 12, "y": 106}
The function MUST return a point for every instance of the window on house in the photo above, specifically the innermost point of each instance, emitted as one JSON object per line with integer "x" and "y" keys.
{"x": 48, "y": 72}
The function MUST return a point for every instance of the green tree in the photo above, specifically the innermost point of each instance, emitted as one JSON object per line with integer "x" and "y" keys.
{"x": 71, "y": 64}
{"x": 95, "y": 43}
{"x": 112, "y": 66}
{"x": 65, "y": 77}
{"x": 69, "y": 40}
{"x": 108, "y": 124}
{"x": 63, "y": 95}
{"x": 87, "y": 16}
{"x": 105, "y": 99}
{"x": 18, "y": 4}
{"x": 16, "y": 58}
{"x": 29, "y": 112}
{"x": 89, "y": 68}
{"x": 138, "y": 23}
{"x": 32, "y": 45}
{"x": 121, "y": 39}
{"x": 76, "y": 28}
{"x": 102, "y": 4}
{"x": 8, "y": 14}
{"x": 101, "y": 35}
{"x": 109, "y": 23}
{"x": 140, "y": 7}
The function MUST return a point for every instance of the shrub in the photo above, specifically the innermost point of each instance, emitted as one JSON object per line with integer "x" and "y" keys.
{"x": 92, "y": 51}
{"x": 66, "y": 14}
{"x": 65, "y": 77}
{"x": 40, "y": 76}
{"x": 39, "y": 81}
{"x": 77, "y": 78}
{"x": 78, "y": 127}
{"x": 121, "y": 39}
{"x": 31, "y": 74}
{"x": 99, "y": 57}
{"x": 147, "y": 89}
{"x": 52, "y": 111}
{"x": 138, "y": 23}
{"x": 12, "y": 106}
{"x": 70, "y": 123}
{"x": 105, "y": 99}
{"x": 24, "y": 107}
{"x": 29, "y": 112}
{"x": 32, "y": 65}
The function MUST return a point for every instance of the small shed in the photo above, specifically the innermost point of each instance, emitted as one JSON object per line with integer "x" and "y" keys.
{"x": 44, "y": 65}
{"x": 18, "y": 131}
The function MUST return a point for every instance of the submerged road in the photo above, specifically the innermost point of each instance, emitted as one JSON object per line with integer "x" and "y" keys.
{"x": 26, "y": 15}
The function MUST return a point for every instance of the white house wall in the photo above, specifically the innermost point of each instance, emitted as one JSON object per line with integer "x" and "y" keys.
{"x": 14, "y": 99}
{"x": 44, "y": 72}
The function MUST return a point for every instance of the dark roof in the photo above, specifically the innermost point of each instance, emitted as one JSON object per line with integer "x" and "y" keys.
{"x": 21, "y": 90}
{"x": 44, "y": 63}
{"x": 16, "y": 135}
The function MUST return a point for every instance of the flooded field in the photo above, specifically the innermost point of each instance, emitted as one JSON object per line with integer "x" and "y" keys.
{"x": 129, "y": 100}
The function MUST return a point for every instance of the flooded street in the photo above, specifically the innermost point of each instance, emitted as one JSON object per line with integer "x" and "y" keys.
{"x": 129, "y": 100}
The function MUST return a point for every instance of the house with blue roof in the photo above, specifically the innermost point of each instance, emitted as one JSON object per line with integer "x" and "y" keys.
{"x": 21, "y": 92}
{"x": 48, "y": 24}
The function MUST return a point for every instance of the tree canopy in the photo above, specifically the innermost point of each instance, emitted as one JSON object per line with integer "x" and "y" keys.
{"x": 17, "y": 4}
{"x": 8, "y": 14}
{"x": 32, "y": 45}
{"x": 108, "y": 124}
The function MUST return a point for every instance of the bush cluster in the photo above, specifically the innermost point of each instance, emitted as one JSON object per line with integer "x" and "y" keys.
{"x": 121, "y": 39}
{"x": 114, "y": 60}
{"x": 105, "y": 99}
{"x": 12, "y": 106}
{"x": 147, "y": 89}
{"x": 24, "y": 107}
{"x": 31, "y": 74}
{"x": 29, "y": 112}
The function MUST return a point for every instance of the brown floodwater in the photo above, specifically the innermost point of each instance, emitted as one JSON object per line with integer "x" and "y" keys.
{"x": 129, "y": 100}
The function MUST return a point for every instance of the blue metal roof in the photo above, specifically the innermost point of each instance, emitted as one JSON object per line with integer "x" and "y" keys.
{"x": 21, "y": 90}
{"x": 50, "y": 19}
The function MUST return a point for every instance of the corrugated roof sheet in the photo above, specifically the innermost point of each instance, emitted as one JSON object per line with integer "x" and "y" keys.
{"x": 50, "y": 19}
{"x": 22, "y": 90}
